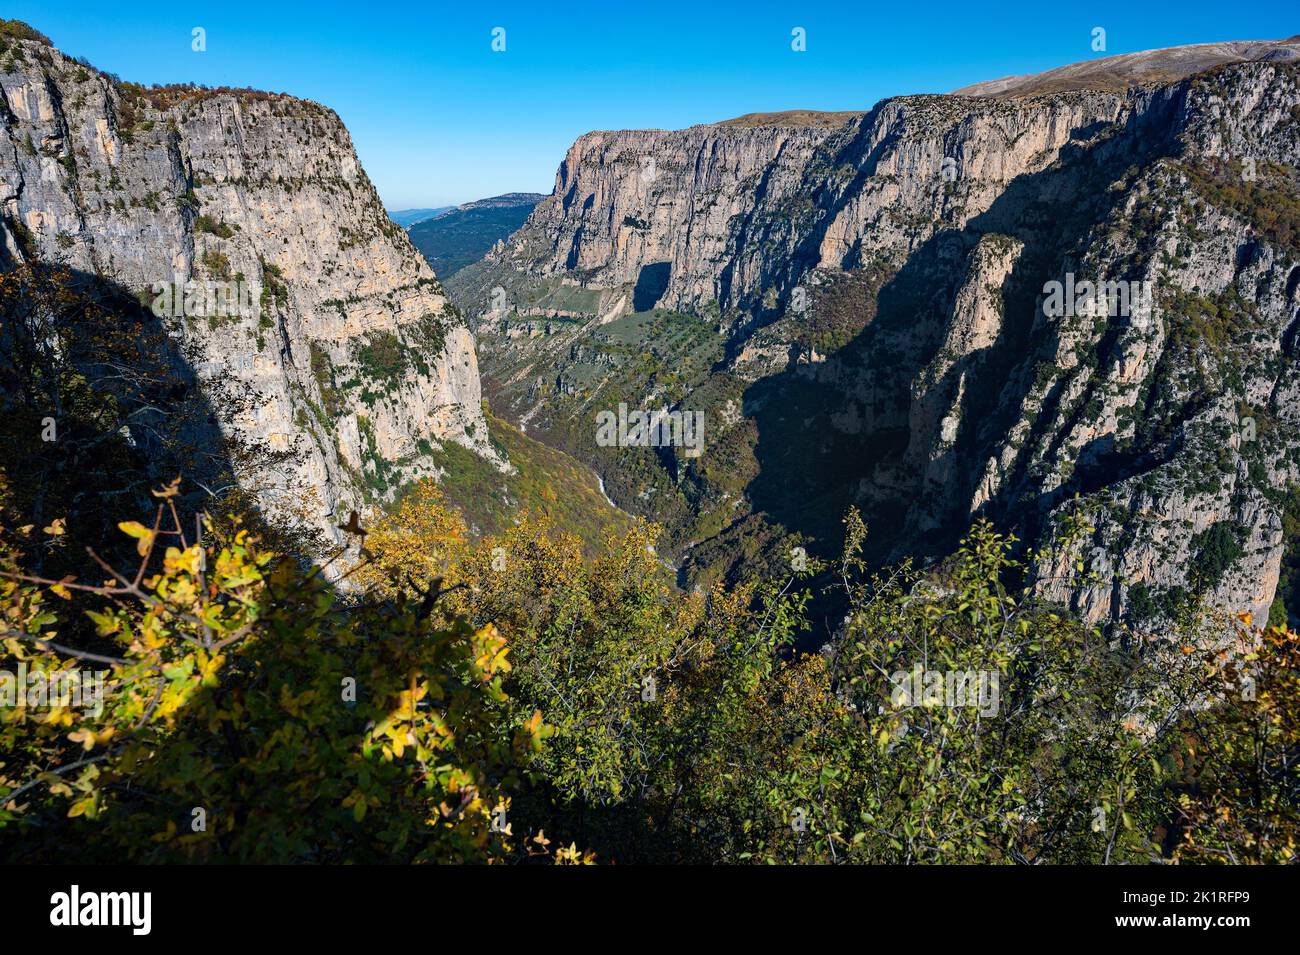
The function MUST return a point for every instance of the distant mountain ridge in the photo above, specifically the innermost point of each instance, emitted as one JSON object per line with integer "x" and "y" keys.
{"x": 409, "y": 217}
{"x": 819, "y": 119}
{"x": 1117, "y": 73}
{"x": 508, "y": 200}
{"x": 463, "y": 235}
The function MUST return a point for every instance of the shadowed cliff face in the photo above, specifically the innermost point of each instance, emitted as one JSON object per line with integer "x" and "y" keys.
{"x": 863, "y": 315}
{"x": 347, "y": 363}
{"x": 98, "y": 407}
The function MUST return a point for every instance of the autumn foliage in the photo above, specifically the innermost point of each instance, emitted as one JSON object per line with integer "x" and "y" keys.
{"x": 427, "y": 697}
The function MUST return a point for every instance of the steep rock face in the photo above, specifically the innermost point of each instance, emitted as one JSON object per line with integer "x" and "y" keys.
{"x": 349, "y": 361}
{"x": 627, "y": 203}
{"x": 725, "y": 214}
{"x": 882, "y": 334}
{"x": 1186, "y": 427}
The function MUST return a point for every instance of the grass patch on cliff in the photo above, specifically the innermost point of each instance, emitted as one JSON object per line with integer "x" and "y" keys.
{"x": 1216, "y": 549}
{"x": 1265, "y": 195}
{"x": 383, "y": 359}
{"x": 844, "y": 306}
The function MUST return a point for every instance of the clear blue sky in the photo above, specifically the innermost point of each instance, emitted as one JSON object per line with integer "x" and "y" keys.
{"x": 439, "y": 118}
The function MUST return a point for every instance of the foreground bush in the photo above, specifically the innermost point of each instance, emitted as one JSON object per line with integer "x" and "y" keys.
{"x": 252, "y": 716}
{"x": 451, "y": 700}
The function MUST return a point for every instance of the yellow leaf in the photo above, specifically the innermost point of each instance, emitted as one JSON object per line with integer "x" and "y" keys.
{"x": 171, "y": 490}
{"x": 88, "y": 738}
{"x": 140, "y": 532}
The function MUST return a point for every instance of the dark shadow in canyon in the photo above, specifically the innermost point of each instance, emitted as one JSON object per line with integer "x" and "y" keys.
{"x": 651, "y": 283}
{"x": 94, "y": 423}
{"x": 128, "y": 414}
{"x": 836, "y": 434}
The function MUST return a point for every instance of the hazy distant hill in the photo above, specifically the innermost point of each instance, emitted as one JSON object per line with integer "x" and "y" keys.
{"x": 463, "y": 236}
{"x": 409, "y": 217}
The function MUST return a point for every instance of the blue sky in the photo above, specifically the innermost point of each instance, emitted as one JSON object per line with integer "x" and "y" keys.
{"x": 439, "y": 118}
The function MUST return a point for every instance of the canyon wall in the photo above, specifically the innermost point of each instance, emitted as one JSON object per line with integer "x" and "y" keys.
{"x": 349, "y": 363}
{"x": 877, "y": 328}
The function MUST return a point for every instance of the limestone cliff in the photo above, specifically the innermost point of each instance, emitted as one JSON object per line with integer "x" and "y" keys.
{"x": 349, "y": 362}
{"x": 862, "y": 309}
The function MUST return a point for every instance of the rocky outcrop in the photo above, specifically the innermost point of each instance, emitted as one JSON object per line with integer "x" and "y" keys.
{"x": 626, "y": 204}
{"x": 346, "y": 361}
{"x": 879, "y": 293}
